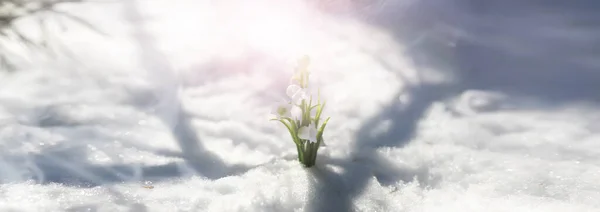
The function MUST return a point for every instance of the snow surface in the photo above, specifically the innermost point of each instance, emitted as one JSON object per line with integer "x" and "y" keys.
{"x": 435, "y": 106}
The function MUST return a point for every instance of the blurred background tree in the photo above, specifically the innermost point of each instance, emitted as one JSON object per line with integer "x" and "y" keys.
{"x": 11, "y": 11}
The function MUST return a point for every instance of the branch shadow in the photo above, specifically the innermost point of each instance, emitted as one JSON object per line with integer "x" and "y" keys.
{"x": 537, "y": 50}
{"x": 335, "y": 184}
{"x": 402, "y": 117}
{"x": 327, "y": 191}
{"x": 195, "y": 154}
{"x": 365, "y": 165}
{"x": 541, "y": 50}
{"x": 70, "y": 166}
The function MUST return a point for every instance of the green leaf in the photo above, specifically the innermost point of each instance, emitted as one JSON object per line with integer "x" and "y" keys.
{"x": 287, "y": 125}
{"x": 310, "y": 111}
{"x": 303, "y": 108}
{"x": 307, "y": 114}
{"x": 313, "y": 107}
{"x": 320, "y": 132}
{"x": 293, "y": 123}
{"x": 322, "y": 128}
{"x": 292, "y": 129}
{"x": 318, "y": 95}
{"x": 319, "y": 111}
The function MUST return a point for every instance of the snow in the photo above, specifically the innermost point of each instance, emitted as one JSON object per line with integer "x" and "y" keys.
{"x": 169, "y": 110}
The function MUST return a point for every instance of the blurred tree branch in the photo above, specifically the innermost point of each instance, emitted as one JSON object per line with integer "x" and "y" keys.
{"x": 13, "y": 10}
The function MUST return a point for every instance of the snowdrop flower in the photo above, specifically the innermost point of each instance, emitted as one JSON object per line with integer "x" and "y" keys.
{"x": 296, "y": 113}
{"x": 286, "y": 110}
{"x": 292, "y": 90}
{"x": 296, "y": 93}
{"x": 281, "y": 110}
{"x": 308, "y": 133}
{"x": 301, "y": 115}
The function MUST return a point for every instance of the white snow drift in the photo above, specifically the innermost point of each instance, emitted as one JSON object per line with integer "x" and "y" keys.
{"x": 178, "y": 93}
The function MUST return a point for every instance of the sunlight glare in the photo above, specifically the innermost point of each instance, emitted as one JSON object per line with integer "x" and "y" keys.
{"x": 276, "y": 28}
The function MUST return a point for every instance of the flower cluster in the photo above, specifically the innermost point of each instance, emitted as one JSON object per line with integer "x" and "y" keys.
{"x": 301, "y": 117}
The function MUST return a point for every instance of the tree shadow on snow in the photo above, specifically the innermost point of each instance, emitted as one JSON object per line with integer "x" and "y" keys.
{"x": 541, "y": 50}
{"x": 195, "y": 154}
{"x": 70, "y": 165}
{"x": 336, "y": 191}
{"x": 335, "y": 184}
{"x": 535, "y": 50}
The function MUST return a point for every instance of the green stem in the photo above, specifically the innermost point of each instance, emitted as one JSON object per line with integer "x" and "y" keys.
{"x": 314, "y": 150}
{"x": 309, "y": 155}
{"x": 300, "y": 153}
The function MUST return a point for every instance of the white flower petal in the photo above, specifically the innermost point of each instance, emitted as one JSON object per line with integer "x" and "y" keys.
{"x": 299, "y": 96}
{"x": 308, "y": 133}
{"x": 296, "y": 113}
{"x": 312, "y": 133}
{"x": 303, "y": 133}
{"x": 281, "y": 110}
{"x": 292, "y": 90}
